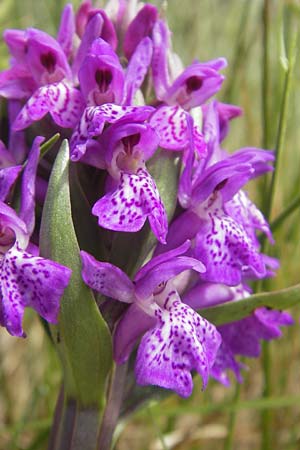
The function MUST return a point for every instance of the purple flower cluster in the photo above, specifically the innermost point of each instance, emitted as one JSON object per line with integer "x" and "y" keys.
{"x": 111, "y": 83}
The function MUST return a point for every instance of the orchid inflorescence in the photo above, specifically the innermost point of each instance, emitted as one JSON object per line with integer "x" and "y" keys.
{"x": 111, "y": 84}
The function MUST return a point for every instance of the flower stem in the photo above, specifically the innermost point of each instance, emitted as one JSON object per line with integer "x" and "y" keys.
{"x": 295, "y": 204}
{"x": 113, "y": 406}
{"x": 266, "y": 73}
{"x": 67, "y": 426}
{"x": 54, "y": 433}
{"x": 266, "y": 443}
{"x": 228, "y": 444}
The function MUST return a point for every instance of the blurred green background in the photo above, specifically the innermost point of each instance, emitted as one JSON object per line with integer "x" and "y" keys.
{"x": 29, "y": 371}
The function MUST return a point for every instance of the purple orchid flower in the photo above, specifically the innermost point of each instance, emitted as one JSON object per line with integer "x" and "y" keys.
{"x": 41, "y": 73}
{"x": 177, "y": 131}
{"x": 223, "y": 242}
{"x": 26, "y": 280}
{"x": 196, "y": 84}
{"x": 223, "y": 112}
{"x": 101, "y": 75}
{"x": 64, "y": 103}
{"x": 102, "y": 78}
{"x": 85, "y": 14}
{"x": 133, "y": 196}
{"x": 92, "y": 124}
{"x": 39, "y": 54}
{"x": 175, "y": 338}
{"x": 241, "y": 337}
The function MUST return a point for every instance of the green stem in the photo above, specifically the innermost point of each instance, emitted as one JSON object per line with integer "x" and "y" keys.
{"x": 295, "y": 204}
{"x": 157, "y": 429}
{"x": 75, "y": 427}
{"x": 86, "y": 429}
{"x": 266, "y": 443}
{"x": 54, "y": 433}
{"x": 240, "y": 50}
{"x": 113, "y": 406}
{"x": 266, "y": 17}
{"x": 67, "y": 426}
{"x": 228, "y": 444}
{"x": 282, "y": 125}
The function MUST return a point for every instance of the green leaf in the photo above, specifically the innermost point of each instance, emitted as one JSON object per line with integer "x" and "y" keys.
{"x": 233, "y": 311}
{"x": 81, "y": 336}
{"x": 46, "y": 146}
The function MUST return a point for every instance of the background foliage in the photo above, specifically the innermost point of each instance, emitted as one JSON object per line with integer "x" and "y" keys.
{"x": 29, "y": 371}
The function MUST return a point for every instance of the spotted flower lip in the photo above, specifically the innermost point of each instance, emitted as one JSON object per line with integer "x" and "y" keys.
{"x": 26, "y": 280}
{"x": 172, "y": 125}
{"x": 64, "y": 103}
{"x": 125, "y": 147}
{"x": 176, "y": 339}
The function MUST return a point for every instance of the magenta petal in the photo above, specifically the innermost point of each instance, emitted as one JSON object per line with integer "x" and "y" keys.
{"x": 27, "y": 205}
{"x": 204, "y": 295}
{"x": 17, "y": 140}
{"x": 243, "y": 337}
{"x": 180, "y": 342}
{"x": 196, "y": 149}
{"x": 135, "y": 200}
{"x": 107, "y": 279}
{"x": 16, "y": 83}
{"x": 8, "y": 177}
{"x": 225, "y": 248}
{"x": 163, "y": 272}
{"x": 162, "y": 258}
{"x": 10, "y": 223}
{"x": 137, "y": 69}
{"x": 160, "y": 70}
{"x": 246, "y": 213}
{"x": 196, "y": 84}
{"x": 140, "y": 27}
{"x": 62, "y": 101}
{"x": 30, "y": 281}
{"x": 132, "y": 325}
{"x": 101, "y": 75}
{"x": 16, "y": 42}
{"x": 66, "y": 30}
{"x": 93, "y": 121}
{"x": 6, "y": 157}
{"x": 224, "y": 361}
{"x": 170, "y": 123}
{"x": 92, "y": 32}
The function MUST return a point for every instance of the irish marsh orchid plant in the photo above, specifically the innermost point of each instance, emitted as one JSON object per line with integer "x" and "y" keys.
{"x": 130, "y": 228}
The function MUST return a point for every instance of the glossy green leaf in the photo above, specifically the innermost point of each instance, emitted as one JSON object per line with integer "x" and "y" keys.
{"x": 232, "y": 311}
{"x": 81, "y": 336}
